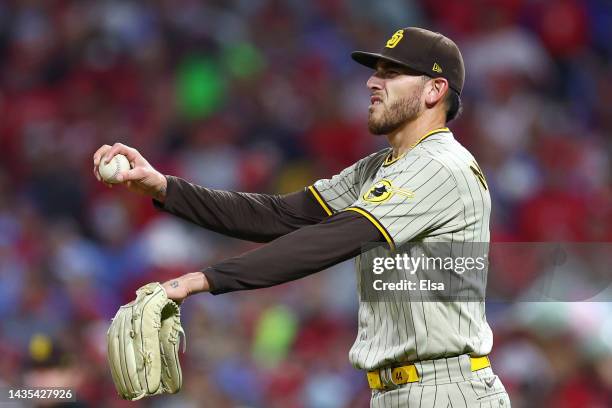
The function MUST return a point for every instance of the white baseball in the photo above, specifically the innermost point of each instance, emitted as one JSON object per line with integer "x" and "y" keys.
{"x": 109, "y": 171}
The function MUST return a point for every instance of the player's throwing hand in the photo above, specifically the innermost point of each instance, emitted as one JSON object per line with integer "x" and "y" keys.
{"x": 141, "y": 178}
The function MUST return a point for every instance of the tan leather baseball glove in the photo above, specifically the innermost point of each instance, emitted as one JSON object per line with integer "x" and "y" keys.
{"x": 143, "y": 345}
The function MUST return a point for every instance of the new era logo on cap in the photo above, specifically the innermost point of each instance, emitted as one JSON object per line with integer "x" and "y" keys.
{"x": 423, "y": 51}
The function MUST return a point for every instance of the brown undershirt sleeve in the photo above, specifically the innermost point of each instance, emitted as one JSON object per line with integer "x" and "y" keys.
{"x": 293, "y": 256}
{"x": 248, "y": 216}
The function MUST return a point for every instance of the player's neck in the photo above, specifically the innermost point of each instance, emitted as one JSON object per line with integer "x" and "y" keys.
{"x": 408, "y": 136}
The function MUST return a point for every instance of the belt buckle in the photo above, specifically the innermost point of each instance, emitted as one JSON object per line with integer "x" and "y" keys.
{"x": 386, "y": 377}
{"x": 381, "y": 379}
{"x": 390, "y": 378}
{"x": 404, "y": 374}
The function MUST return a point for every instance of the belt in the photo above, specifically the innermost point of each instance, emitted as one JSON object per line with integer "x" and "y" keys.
{"x": 408, "y": 373}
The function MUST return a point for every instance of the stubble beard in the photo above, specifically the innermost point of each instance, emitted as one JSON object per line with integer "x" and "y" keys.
{"x": 394, "y": 116}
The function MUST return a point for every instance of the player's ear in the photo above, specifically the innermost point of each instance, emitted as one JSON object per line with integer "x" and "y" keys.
{"x": 435, "y": 89}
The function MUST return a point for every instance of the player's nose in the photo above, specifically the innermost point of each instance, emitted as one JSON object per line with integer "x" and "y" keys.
{"x": 375, "y": 83}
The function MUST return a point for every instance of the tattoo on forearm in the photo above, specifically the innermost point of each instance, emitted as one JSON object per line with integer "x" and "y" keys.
{"x": 174, "y": 284}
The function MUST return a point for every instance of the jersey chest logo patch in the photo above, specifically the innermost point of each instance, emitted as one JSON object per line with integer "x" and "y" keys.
{"x": 383, "y": 190}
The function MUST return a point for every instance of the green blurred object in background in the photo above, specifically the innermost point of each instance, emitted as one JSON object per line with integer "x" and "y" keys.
{"x": 274, "y": 334}
{"x": 243, "y": 60}
{"x": 200, "y": 87}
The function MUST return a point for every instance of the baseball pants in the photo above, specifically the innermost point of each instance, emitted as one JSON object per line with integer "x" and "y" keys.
{"x": 445, "y": 383}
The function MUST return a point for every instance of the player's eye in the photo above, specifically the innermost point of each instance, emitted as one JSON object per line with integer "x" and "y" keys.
{"x": 388, "y": 73}
{"x": 391, "y": 73}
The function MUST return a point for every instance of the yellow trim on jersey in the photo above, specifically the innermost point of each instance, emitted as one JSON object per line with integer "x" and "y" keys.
{"x": 377, "y": 224}
{"x": 479, "y": 175}
{"x": 445, "y": 129}
{"x": 318, "y": 197}
{"x": 388, "y": 161}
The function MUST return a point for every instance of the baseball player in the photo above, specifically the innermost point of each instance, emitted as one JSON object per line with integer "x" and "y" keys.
{"x": 426, "y": 188}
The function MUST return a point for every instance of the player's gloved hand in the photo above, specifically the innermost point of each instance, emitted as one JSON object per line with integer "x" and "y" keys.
{"x": 141, "y": 178}
{"x": 143, "y": 343}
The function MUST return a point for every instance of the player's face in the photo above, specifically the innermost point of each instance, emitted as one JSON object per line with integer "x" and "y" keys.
{"x": 396, "y": 97}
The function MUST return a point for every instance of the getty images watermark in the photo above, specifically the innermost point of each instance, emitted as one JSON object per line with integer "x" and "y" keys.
{"x": 504, "y": 272}
{"x": 411, "y": 265}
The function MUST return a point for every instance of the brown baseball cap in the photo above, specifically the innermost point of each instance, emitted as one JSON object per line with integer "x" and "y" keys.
{"x": 423, "y": 51}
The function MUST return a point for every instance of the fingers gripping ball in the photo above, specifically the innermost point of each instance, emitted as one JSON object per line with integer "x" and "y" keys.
{"x": 109, "y": 171}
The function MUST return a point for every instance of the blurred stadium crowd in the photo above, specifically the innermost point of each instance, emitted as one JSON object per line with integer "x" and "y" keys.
{"x": 261, "y": 95}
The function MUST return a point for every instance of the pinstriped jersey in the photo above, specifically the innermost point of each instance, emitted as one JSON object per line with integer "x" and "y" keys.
{"x": 433, "y": 194}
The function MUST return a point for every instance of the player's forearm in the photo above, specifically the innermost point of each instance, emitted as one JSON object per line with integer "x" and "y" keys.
{"x": 254, "y": 217}
{"x": 294, "y": 256}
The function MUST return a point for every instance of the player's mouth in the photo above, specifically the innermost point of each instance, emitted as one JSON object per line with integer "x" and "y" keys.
{"x": 375, "y": 100}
